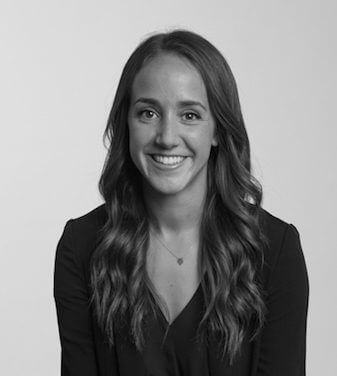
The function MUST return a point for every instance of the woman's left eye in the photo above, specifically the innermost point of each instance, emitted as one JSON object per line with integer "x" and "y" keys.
{"x": 191, "y": 116}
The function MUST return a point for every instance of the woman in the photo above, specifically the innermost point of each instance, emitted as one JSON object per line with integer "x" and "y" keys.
{"x": 180, "y": 271}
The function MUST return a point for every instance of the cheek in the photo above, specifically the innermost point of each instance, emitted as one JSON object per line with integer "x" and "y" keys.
{"x": 202, "y": 142}
{"x": 138, "y": 138}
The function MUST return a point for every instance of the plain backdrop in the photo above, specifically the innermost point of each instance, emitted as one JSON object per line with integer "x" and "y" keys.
{"x": 59, "y": 67}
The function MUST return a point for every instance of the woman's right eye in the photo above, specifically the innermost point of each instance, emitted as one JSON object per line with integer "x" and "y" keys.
{"x": 147, "y": 114}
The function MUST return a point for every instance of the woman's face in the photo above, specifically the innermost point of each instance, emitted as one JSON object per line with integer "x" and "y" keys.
{"x": 170, "y": 126}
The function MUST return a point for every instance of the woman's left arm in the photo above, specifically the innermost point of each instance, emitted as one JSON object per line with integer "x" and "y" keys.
{"x": 283, "y": 339}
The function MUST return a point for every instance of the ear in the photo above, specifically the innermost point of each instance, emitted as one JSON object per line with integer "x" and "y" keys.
{"x": 215, "y": 141}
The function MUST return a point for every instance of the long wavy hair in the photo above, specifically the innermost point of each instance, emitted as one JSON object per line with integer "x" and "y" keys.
{"x": 232, "y": 242}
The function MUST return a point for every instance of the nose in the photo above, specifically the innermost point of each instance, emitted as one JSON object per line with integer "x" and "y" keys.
{"x": 167, "y": 133}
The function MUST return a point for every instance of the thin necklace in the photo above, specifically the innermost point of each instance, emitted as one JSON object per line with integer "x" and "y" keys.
{"x": 180, "y": 260}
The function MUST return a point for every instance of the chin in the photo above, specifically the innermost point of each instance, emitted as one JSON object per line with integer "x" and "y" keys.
{"x": 166, "y": 189}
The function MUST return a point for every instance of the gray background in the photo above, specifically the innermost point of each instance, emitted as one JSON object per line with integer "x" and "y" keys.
{"x": 59, "y": 67}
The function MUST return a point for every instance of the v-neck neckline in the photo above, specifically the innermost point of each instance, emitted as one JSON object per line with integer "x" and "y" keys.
{"x": 181, "y": 313}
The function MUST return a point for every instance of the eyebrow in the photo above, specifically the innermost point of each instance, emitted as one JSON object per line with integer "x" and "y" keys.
{"x": 185, "y": 103}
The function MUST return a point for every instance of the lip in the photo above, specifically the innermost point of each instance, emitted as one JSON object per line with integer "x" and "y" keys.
{"x": 168, "y": 155}
{"x": 163, "y": 167}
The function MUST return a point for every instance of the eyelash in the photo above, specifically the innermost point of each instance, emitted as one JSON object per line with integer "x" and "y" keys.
{"x": 143, "y": 112}
{"x": 196, "y": 116}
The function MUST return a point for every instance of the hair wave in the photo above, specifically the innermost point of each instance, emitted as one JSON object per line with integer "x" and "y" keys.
{"x": 232, "y": 242}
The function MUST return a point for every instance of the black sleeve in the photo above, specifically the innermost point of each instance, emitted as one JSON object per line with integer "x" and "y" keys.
{"x": 74, "y": 321}
{"x": 283, "y": 340}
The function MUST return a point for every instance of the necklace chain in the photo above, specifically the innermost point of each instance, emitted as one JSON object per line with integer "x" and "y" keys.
{"x": 180, "y": 260}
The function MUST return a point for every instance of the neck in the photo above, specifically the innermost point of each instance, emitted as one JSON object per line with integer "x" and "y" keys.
{"x": 174, "y": 214}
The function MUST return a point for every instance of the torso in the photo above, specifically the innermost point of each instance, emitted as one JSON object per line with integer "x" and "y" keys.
{"x": 174, "y": 283}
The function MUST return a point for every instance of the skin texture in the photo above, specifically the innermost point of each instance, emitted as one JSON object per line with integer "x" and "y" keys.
{"x": 163, "y": 120}
{"x": 165, "y": 125}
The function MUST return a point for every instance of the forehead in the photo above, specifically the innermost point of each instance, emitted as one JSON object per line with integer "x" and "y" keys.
{"x": 170, "y": 76}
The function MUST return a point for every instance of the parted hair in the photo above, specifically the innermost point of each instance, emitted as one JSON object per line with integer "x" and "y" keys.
{"x": 232, "y": 241}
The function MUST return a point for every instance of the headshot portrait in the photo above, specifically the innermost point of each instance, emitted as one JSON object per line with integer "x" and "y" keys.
{"x": 168, "y": 188}
{"x": 181, "y": 244}
{"x": 180, "y": 271}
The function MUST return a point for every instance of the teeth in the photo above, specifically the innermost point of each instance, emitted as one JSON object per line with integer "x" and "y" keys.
{"x": 168, "y": 160}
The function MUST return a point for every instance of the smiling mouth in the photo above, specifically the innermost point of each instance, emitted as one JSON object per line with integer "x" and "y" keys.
{"x": 173, "y": 160}
{"x": 167, "y": 162}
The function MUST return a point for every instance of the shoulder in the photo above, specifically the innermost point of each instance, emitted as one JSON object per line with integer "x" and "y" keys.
{"x": 86, "y": 228}
{"x": 89, "y": 223}
{"x": 81, "y": 234}
{"x": 284, "y": 251}
{"x": 274, "y": 228}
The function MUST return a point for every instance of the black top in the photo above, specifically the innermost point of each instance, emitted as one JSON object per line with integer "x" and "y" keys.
{"x": 278, "y": 350}
{"x": 177, "y": 353}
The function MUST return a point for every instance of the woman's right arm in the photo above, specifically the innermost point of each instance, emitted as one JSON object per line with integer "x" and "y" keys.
{"x": 72, "y": 307}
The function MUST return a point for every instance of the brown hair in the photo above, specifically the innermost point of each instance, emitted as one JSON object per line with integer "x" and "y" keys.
{"x": 232, "y": 242}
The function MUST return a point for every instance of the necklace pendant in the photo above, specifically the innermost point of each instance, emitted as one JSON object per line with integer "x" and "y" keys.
{"x": 180, "y": 260}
